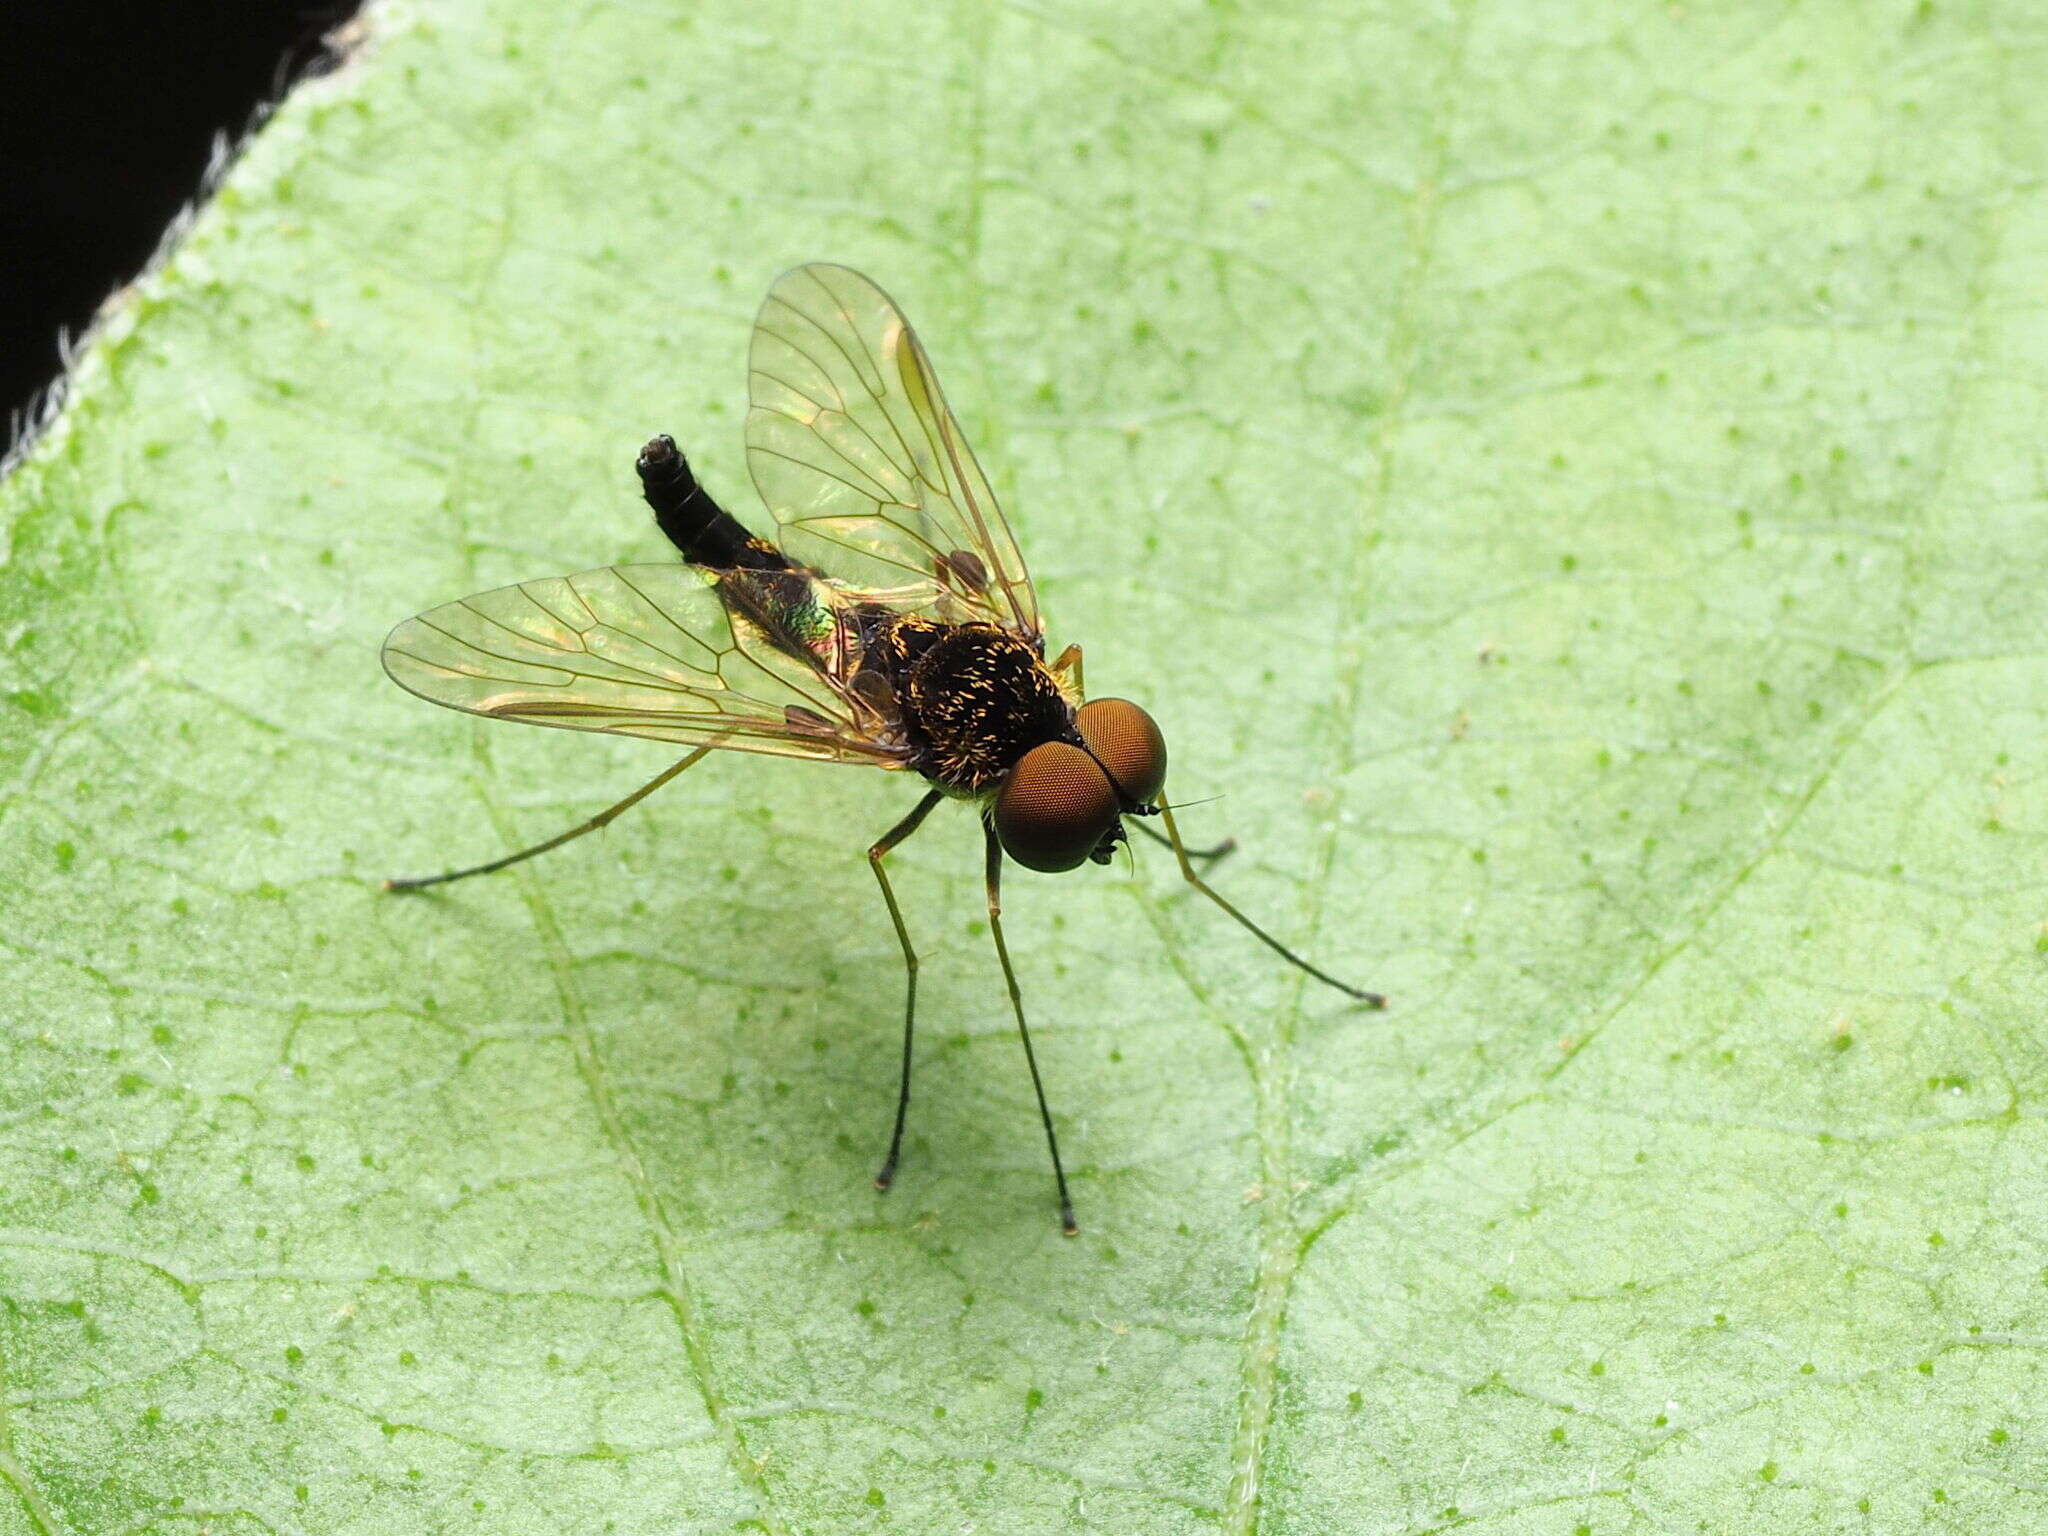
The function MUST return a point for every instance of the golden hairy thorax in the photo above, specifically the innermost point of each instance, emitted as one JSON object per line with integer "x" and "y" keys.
{"x": 974, "y": 697}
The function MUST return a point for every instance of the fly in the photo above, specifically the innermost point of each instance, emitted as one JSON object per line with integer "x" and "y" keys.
{"x": 923, "y": 652}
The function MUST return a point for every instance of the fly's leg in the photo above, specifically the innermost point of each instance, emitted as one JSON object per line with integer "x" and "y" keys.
{"x": 602, "y": 818}
{"x": 1070, "y": 660}
{"x": 1214, "y": 851}
{"x": 995, "y": 926}
{"x": 876, "y": 854}
{"x": 1180, "y": 851}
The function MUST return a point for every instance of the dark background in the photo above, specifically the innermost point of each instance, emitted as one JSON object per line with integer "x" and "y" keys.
{"x": 110, "y": 113}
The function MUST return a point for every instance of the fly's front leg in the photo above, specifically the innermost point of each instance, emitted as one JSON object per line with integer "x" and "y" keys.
{"x": 1067, "y": 661}
{"x": 1187, "y": 870}
{"x": 876, "y": 854}
{"x": 1213, "y": 851}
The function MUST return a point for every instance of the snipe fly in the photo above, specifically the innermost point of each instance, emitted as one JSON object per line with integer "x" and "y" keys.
{"x": 924, "y": 651}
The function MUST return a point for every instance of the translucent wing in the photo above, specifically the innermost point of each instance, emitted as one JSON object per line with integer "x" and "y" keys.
{"x": 640, "y": 650}
{"x": 853, "y": 449}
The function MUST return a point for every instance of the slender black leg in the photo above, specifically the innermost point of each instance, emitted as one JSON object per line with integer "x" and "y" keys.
{"x": 995, "y": 926}
{"x": 876, "y": 854}
{"x": 1187, "y": 870}
{"x": 1216, "y": 851}
{"x": 602, "y": 818}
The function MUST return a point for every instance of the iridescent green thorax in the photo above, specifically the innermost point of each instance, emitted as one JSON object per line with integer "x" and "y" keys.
{"x": 793, "y": 608}
{"x": 808, "y": 619}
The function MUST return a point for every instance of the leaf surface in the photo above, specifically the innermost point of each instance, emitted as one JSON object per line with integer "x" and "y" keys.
{"x": 1569, "y": 478}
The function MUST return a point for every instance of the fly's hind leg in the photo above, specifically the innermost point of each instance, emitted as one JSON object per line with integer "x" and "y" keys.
{"x": 601, "y": 819}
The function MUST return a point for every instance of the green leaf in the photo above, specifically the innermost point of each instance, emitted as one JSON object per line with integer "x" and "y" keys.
{"x": 1568, "y": 478}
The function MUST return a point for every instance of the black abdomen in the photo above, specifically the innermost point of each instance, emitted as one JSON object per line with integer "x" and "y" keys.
{"x": 704, "y": 531}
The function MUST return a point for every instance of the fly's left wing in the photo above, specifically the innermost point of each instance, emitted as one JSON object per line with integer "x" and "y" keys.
{"x": 643, "y": 650}
{"x": 853, "y": 448}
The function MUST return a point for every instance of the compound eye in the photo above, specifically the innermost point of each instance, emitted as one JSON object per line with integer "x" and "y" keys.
{"x": 1126, "y": 741}
{"x": 1054, "y": 808}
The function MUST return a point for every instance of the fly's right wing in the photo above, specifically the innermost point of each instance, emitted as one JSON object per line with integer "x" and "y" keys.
{"x": 854, "y": 449}
{"x": 635, "y": 650}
